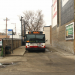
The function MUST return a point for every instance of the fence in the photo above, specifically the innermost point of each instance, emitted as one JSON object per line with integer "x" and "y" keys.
{"x": 7, "y": 44}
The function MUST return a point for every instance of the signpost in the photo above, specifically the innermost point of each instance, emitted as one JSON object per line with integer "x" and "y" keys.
{"x": 10, "y": 32}
{"x": 70, "y": 31}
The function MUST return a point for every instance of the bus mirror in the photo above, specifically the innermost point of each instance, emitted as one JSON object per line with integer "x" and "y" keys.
{"x": 46, "y": 40}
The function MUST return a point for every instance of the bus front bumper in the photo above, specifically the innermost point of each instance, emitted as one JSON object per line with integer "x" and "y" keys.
{"x": 35, "y": 49}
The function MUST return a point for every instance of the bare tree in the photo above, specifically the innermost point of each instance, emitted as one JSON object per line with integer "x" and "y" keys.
{"x": 33, "y": 20}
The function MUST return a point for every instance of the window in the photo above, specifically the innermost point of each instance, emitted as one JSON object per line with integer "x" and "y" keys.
{"x": 37, "y": 38}
{"x": 40, "y": 38}
{"x": 30, "y": 38}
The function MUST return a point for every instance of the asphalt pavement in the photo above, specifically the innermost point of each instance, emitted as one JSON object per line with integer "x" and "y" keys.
{"x": 50, "y": 62}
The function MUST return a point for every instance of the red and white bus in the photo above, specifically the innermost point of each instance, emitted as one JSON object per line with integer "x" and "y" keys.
{"x": 35, "y": 40}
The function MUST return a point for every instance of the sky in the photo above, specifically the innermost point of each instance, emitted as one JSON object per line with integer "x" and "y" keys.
{"x": 13, "y": 8}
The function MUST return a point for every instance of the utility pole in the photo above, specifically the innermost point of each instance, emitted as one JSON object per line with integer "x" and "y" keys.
{"x": 21, "y": 31}
{"x": 6, "y": 25}
{"x": 24, "y": 30}
{"x": 24, "y": 33}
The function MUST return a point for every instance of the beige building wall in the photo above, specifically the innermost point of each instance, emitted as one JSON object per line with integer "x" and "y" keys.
{"x": 58, "y": 31}
{"x": 47, "y": 34}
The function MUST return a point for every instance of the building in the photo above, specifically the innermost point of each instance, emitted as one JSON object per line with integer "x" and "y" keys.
{"x": 15, "y": 36}
{"x": 47, "y": 30}
{"x": 3, "y": 35}
{"x": 63, "y": 23}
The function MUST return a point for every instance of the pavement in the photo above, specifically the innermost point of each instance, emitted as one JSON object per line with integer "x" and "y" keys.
{"x": 18, "y": 51}
{"x": 61, "y": 52}
{"x": 53, "y": 61}
{"x": 21, "y": 50}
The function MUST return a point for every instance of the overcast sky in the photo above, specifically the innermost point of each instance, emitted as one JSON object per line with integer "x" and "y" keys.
{"x": 12, "y": 8}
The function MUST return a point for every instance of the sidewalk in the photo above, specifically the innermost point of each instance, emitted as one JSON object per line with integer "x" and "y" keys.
{"x": 59, "y": 50}
{"x": 62, "y": 52}
{"x": 18, "y": 51}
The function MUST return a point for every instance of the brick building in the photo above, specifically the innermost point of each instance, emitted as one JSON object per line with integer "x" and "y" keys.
{"x": 3, "y": 35}
{"x": 63, "y": 24}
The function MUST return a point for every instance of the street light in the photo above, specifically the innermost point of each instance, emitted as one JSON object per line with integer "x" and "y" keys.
{"x": 15, "y": 27}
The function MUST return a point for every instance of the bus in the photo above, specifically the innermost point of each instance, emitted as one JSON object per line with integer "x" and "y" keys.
{"x": 35, "y": 40}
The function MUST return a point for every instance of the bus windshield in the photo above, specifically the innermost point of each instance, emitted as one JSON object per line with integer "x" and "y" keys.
{"x": 35, "y": 38}
{"x": 30, "y": 38}
{"x": 40, "y": 38}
